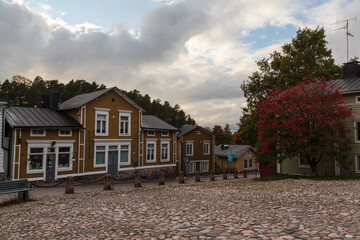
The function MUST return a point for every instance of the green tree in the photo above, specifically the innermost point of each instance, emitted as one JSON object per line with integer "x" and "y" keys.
{"x": 306, "y": 56}
{"x": 228, "y": 137}
{"x": 219, "y": 134}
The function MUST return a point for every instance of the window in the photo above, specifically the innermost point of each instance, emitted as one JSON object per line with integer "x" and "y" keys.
{"x": 151, "y": 133}
{"x": 198, "y": 132}
{"x": 165, "y": 151}
{"x": 245, "y": 163}
{"x": 357, "y": 163}
{"x": 151, "y": 152}
{"x": 65, "y": 133}
{"x": 249, "y": 152}
{"x": 125, "y": 124}
{"x": 190, "y": 149}
{"x": 102, "y": 123}
{"x": 124, "y": 154}
{"x": 36, "y": 156}
{"x": 100, "y": 155}
{"x": 205, "y": 166}
{"x": 206, "y": 148}
{"x": 357, "y": 132}
{"x": 357, "y": 99}
{"x": 37, "y": 132}
{"x": 250, "y": 163}
{"x": 165, "y": 133}
{"x": 64, "y": 160}
{"x": 303, "y": 162}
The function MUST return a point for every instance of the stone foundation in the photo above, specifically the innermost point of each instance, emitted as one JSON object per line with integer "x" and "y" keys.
{"x": 149, "y": 173}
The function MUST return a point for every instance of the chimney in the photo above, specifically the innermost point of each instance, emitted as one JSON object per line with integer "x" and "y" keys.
{"x": 54, "y": 100}
{"x": 351, "y": 69}
{"x": 45, "y": 100}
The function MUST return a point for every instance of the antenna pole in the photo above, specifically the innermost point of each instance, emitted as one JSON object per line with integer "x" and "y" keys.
{"x": 347, "y": 35}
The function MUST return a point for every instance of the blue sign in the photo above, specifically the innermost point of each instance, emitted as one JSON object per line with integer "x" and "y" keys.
{"x": 231, "y": 157}
{"x": 187, "y": 160}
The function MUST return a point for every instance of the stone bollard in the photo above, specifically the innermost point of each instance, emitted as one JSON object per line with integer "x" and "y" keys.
{"x": 181, "y": 178}
{"x": 69, "y": 186}
{"x": 24, "y": 195}
{"x": 162, "y": 178}
{"x": 197, "y": 176}
{"x": 236, "y": 174}
{"x": 107, "y": 184}
{"x": 245, "y": 173}
{"x": 224, "y": 175}
{"x": 212, "y": 175}
{"x": 137, "y": 182}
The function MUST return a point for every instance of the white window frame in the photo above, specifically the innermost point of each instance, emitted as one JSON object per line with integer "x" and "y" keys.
{"x": 192, "y": 149}
{"x": 65, "y": 135}
{"x": 302, "y": 165}
{"x": 247, "y": 163}
{"x": 356, "y": 131}
{"x": 32, "y": 134}
{"x": 125, "y": 114}
{"x": 60, "y": 169}
{"x": 150, "y": 135}
{"x": 165, "y": 133}
{"x": 204, "y": 170}
{"x": 208, "y": 148}
{"x": 106, "y": 113}
{"x": 250, "y": 160}
{"x": 146, "y": 152}
{"x": 106, "y": 155}
{"x": 168, "y": 151}
{"x": 357, "y": 99}
{"x": 129, "y": 155}
{"x": 357, "y": 163}
{"x": 198, "y": 132}
{"x": 44, "y": 147}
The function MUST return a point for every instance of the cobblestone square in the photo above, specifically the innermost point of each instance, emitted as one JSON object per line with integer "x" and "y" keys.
{"x": 232, "y": 209}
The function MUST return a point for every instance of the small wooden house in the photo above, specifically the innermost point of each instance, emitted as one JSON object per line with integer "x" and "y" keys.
{"x": 236, "y": 157}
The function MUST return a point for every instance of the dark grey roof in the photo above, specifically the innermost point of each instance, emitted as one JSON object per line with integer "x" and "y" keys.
{"x": 150, "y": 122}
{"x": 187, "y": 129}
{"x": 25, "y": 117}
{"x": 348, "y": 85}
{"x": 237, "y": 150}
{"x": 80, "y": 100}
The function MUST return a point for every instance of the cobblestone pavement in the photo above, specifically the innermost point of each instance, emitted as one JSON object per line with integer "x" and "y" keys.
{"x": 232, "y": 209}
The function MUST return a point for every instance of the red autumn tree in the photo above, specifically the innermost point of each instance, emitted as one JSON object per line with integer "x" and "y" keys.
{"x": 305, "y": 120}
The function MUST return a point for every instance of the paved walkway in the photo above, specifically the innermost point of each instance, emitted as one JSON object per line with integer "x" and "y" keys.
{"x": 232, "y": 209}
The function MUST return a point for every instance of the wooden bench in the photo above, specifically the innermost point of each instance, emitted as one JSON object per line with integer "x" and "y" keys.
{"x": 16, "y": 186}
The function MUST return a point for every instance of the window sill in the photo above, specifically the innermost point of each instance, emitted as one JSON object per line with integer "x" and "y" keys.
{"x": 64, "y": 169}
{"x": 152, "y": 161}
{"x": 99, "y": 166}
{"x": 125, "y": 164}
{"x": 101, "y": 134}
{"x": 35, "y": 171}
{"x": 165, "y": 160}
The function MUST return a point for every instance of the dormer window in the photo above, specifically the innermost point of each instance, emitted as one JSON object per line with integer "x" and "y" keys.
{"x": 37, "y": 133}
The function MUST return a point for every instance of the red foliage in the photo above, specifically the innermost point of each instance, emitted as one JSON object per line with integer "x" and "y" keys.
{"x": 308, "y": 116}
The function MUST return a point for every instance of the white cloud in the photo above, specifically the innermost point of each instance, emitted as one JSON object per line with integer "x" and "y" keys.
{"x": 187, "y": 52}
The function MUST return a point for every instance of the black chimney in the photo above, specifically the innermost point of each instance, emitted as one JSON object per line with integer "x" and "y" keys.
{"x": 45, "y": 100}
{"x": 351, "y": 69}
{"x": 54, "y": 100}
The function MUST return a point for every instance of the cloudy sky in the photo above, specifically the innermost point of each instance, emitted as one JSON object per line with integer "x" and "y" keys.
{"x": 195, "y": 53}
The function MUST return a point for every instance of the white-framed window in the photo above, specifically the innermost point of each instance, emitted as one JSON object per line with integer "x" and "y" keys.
{"x": 191, "y": 166}
{"x": 65, "y": 133}
{"x": 101, "y": 123}
{"x": 206, "y": 148}
{"x": 357, "y": 131}
{"x": 249, "y": 152}
{"x": 189, "y": 149}
{"x": 100, "y": 156}
{"x": 198, "y": 132}
{"x": 245, "y": 163}
{"x": 204, "y": 166}
{"x": 150, "y": 151}
{"x": 36, "y": 156}
{"x": 357, "y": 99}
{"x": 165, "y": 151}
{"x": 250, "y": 163}
{"x": 125, "y": 154}
{"x": 64, "y": 157}
{"x": 303, "y": 162}
{"x": 357, "y": 163}
{"x": 165, "y": 133}
{"x": 37, "y": 133}
{"x": 125, "y": 124}
{"x": 151, "y": 133}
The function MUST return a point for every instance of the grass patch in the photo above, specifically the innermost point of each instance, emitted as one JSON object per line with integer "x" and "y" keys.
{"x": 14, "y": 201}
{"x": 318, "y": 178}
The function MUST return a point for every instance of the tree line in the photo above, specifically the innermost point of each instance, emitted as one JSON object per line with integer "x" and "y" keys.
{"x": 27, "y": 93}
